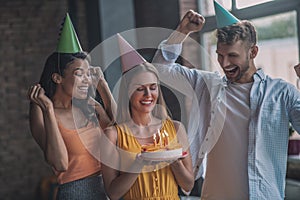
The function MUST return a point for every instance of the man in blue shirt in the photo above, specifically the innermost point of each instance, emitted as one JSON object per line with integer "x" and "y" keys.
{"x": 245, "y": 115}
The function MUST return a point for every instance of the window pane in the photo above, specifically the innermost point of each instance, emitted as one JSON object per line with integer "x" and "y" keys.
{"x": 210, "y": 58}
{"x": 207, "y": 6}
{"x": 278, "y": 45}
{"x": 248, "y": 3}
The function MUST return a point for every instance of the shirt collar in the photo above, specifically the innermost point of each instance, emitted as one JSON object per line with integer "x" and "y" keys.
{"x": 259, "y": 75}
{"x": 225, "y": 81}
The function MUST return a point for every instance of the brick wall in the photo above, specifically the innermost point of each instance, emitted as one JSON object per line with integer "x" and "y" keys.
{"x": 29, "y": 32}
{"x": 81, "y": 22}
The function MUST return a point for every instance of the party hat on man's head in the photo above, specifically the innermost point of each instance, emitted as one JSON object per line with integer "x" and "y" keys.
{"x": 224, "y": 17}
{"x": 129, "y": 56}
{"x": 68, "y": 41}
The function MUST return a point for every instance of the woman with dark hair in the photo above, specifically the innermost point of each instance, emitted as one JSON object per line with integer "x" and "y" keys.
{"x": 141, "y": 114}
{"x": 66, "y": 121}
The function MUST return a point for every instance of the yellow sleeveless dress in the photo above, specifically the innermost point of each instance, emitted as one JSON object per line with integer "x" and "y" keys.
{"x": 158, "y": 184}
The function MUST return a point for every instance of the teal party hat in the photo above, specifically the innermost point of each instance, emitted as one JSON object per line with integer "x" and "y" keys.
{"x": 224, "y": 17}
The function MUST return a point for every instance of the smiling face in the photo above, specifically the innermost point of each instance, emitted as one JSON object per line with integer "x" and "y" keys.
{"x": 143, "y": 92}
{"x": 236, "y": 61}
{"x": 236, "y": 51}
{"x": 76, "y": 79}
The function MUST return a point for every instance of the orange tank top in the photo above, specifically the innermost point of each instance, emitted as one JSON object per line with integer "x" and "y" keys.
{"x": 80, "y": 144}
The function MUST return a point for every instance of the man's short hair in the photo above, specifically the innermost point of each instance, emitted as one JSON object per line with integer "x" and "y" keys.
{"x": 243, "y": 30}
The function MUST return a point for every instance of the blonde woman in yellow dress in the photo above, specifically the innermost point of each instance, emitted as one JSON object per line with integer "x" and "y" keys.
{"x": 141, "y": 114}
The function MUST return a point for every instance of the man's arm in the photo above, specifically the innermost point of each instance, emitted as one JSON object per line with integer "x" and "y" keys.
{"x": 295, "y": 113}
{"x": 297, "y": 70}
{"x": 170, "y": 49}
{"x": 191, "y": 22}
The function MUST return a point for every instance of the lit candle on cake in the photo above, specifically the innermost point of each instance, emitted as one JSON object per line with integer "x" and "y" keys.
{"x": 167, "y": 138}
{"x": 160, "y": 139}
{"x": 154, "y": 139}
{"x": 163, "y": 138}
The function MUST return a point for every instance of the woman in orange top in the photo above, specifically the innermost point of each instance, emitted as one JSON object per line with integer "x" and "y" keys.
{"x": 65, "y": 118}
{"x": 63, "y": 123}
{"x": 141, "y": 113}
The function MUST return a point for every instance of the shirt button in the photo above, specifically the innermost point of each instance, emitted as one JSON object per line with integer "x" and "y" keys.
{"x": 156, "y": 179}
{"x": 206, "y": 139}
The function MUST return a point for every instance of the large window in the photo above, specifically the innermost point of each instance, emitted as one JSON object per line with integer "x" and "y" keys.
{"x": 278, "y": 45}
{"x": 247, "y": 3}
{"x": 207, "y": 7}
{"x": 278, "y": 37}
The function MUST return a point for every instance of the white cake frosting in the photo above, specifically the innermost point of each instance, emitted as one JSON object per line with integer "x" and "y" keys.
{"x": 163, "y": 154}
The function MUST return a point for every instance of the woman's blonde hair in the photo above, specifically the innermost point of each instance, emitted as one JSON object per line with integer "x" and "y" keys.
{"x": 124, "y": 107}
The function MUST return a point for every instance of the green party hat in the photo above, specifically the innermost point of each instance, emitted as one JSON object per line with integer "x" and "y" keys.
{"x": 224, "y": 17}
{"x": 68, "y": 41}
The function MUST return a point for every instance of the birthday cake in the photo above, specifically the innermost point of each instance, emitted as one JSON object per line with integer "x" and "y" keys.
{"x": 160, "y": 149}
{"x": 151, "y": 152}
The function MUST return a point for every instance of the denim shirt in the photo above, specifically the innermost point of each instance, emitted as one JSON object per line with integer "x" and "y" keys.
{"x": 274, "y": 104}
